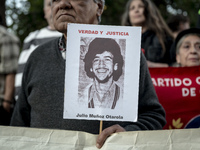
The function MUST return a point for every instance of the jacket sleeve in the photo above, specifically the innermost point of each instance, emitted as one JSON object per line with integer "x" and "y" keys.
{"x": 151, "y": 114}
{"x": 21, "y": 113}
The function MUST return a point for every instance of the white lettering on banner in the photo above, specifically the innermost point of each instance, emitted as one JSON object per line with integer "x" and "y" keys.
{"x": 177, "y": 82}
{"x": 154, "y": 81}
{"x": 167, "y": 82}
{"x": 187, "y": 82}
{"x": 189, "y": 92}
{"x": 198, "y": 80}
{"x": 193, "y": 92}
{"x": 160, "y": 82}
{"x": 185, "y": 92}
{"x": 173, "y": 82}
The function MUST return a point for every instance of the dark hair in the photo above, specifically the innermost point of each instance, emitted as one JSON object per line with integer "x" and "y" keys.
{"x": 125, "y": 18}
{"x": 154, "y": 21}
{"x": 175, "y": 21}
{"x": 98, "y": 46}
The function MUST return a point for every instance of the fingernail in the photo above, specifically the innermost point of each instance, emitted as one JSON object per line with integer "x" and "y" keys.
{"x": 98, "y": 146}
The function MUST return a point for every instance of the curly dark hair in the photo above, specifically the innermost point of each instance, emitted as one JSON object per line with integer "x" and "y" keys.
{"x": 98, "y": 46}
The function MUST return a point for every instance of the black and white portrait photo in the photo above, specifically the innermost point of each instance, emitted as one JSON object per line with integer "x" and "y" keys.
{"x": 103, "y": 65}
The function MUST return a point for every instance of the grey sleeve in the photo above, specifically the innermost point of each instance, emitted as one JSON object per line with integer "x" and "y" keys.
{"x": 21, "y": 113}
{"x": 151, "y": 114}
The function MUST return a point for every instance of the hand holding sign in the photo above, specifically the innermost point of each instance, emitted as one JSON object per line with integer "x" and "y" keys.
{"x": 106, "y": 133}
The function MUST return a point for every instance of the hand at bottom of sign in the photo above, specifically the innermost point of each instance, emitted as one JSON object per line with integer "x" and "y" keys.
{"x": 106, "y": 133}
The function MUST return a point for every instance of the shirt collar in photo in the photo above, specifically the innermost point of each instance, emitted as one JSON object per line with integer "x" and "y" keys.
{"x": 108, "y": 98}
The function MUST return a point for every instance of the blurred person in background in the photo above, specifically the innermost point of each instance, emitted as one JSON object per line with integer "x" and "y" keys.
{"x": 33, "y": 40}
{"x": 178, "y": 23}
{"x": 157, "y": 38}
{"x": 187, "y": 47}
{"x": 9, "y": 52}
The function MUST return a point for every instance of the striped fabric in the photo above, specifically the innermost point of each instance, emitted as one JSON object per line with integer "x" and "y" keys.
{"x": 9, "y": 53}
{"x": 31, "y": 42}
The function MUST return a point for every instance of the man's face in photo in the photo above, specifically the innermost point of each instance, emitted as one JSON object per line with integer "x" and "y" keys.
{"x": 103, "y": 66}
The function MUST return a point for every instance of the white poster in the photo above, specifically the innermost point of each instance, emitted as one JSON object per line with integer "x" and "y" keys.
{"x": 102, "y": 72}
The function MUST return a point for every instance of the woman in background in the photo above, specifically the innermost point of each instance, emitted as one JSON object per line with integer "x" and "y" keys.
{"x": 157, "y": 38}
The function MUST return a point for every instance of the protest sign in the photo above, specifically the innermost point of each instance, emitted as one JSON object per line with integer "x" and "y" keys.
{"x": 102, "y": 72}
{"x": 178, "y": 90}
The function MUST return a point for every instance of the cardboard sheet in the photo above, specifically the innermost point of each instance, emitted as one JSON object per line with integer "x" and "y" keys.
{"x": 17, "y": 138}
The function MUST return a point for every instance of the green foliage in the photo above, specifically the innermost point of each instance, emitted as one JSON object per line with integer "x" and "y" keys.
{"x": 189, "y": 7}
{"x": 31, "y": 17}
{"x": 113, "y": 12}
{"x": 27, "y": 20}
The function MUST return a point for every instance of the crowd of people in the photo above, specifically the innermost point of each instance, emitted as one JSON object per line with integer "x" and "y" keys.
{"x": 39, "y": 75}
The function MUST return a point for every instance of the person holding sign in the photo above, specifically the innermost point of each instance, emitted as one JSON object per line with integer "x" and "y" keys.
{"x": 103, "y": 63}
{"x": 41, "y": 100}
{"x": 187, "y": 48}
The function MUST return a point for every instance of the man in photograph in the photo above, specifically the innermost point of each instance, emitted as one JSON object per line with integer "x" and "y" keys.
{"x": 103, "y": 63}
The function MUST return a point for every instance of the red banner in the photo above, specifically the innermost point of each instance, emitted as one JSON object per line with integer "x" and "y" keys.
{"x": 178, "y": 91}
